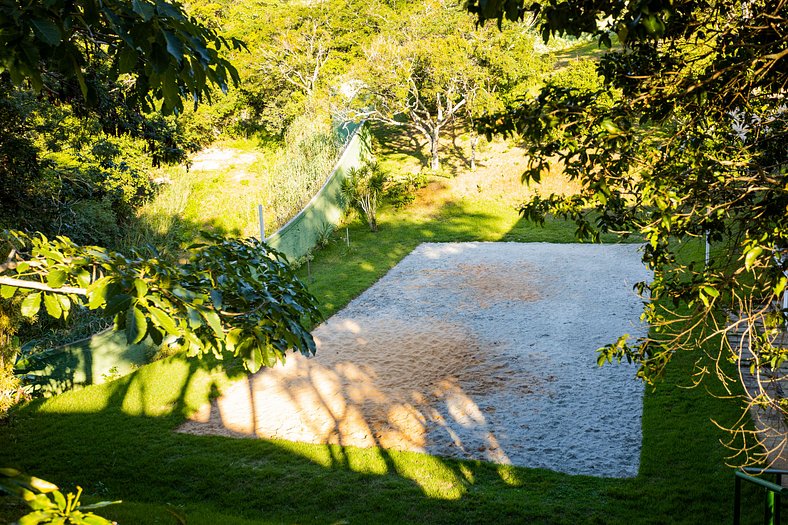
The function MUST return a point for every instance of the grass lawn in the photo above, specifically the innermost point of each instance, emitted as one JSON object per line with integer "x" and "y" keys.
{"x": 116, "y": 439}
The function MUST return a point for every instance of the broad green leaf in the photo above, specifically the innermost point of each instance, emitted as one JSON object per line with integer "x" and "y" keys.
{"x": 98, "y": 291}
{"x": 83, "y": 278}
{"x": 46, "y": 31}
{"x": 117, "y": 303}
{"x": 254, "y": 359}
{"x": 144, "y": 9}
{"x": 216, "y": 299}
{"x": 174, "y": 46}
{"x": 752, "y": 256}
{"x": 59, "y": 500}
{"x": 165, "y": 321}
{"x": 214, "y": 322}
{"x": 155, "y": 334}
{"x": 92, "y": 519}
{"x": 195, "y": 320}
{"x": 127, "y": 60}
{"x": 233, "y": 337}
{"x": 136, "y": 326}
{"x": 141, "y": 287}
{"x": 52, "y": 305}
{"x": 7, "y": 292}
{"x": 56, "y": 278}
{"x": 166, "y": 9}
{"x": 65, "y": 304}
{"x": 31, "y": 304}
{"x": 710, "y": 291}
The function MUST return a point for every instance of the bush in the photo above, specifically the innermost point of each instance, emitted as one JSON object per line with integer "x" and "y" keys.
{"x": 362, "y": 190}
{"x": 401, "y": 190}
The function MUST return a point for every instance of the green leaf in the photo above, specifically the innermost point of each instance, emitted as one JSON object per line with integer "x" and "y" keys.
{"x": 59, "y": 499}
{"x": 254, "y": 358}
{"x": 7, "y": 292}
{"x": 174, "y": 46}
{"x": 144, "y": 9}
{"x": 65, "y": 304}
{"x": 117, "y": 303}
{"x": 165, "y": 321}
{"x": 47, "y": 31}
{"x": 83, "y": 278}
{"x": 155, "y": 334}
{"x": 711, "y": 292}
{"x": 52, "y": 305}
{"x": 92, "y": 519}
{"x": 98, "y": 292}
{"x": 216, "y": 299}
{"x": 127, "y": 60}
{"x": 31, "y": 304}
{"x": 214, "y": 322}
{"x": 752, "y": 256}
{"x": 233, "y": 337}
{"x": 141, "y": 287}
{"x": 195, "y": 320}
{"x": 136, "y": 326}
{"x": 57, "y": 278}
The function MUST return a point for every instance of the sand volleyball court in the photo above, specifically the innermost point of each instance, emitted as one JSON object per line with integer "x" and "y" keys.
{"x": 468, "y": 350}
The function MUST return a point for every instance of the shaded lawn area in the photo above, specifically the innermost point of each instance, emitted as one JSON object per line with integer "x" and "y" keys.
{"x": 117, "y": 441}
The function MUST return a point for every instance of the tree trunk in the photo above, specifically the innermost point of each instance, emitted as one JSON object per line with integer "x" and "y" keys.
{"x": 474, "y": 141}
{"x": 435, "y": 163}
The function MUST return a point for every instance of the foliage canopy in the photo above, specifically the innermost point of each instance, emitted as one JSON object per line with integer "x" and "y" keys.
{"x": 166, "y": 54}
{"x": 694, "y": 148}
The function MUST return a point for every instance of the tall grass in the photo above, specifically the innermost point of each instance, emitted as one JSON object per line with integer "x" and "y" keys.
{"x": 305, "y": 162}
{"x": 223, "y": 197}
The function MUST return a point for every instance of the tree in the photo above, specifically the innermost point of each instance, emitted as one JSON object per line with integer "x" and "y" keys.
{"x": 693, "y": 149}
{"x": 230, "y": 296}
{"x": 429, "y": 68}
{"x": 416, "y": 74}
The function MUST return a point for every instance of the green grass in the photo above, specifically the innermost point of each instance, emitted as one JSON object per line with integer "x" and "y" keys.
{"x": 116, "y": 440}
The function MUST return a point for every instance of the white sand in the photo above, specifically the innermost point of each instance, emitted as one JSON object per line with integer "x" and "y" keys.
{"x": 469, "y": 350}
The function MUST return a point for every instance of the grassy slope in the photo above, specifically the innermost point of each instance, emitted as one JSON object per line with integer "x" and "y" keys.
{"x": 116, "y": 440}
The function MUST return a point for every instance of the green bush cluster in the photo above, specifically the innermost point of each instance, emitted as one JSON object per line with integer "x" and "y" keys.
{"x": 400, "y": 190}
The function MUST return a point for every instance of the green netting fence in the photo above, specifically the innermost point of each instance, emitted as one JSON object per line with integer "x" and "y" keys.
{"x": 301, "y": 234}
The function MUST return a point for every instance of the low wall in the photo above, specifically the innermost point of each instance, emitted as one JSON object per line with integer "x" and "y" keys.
{"x": 300, "y": 235}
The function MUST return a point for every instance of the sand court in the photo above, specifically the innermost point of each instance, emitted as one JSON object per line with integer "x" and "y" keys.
{"x": 468, "y": 350}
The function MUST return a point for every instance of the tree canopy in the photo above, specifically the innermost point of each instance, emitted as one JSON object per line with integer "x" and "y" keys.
{"x": 429, "y": 67}
{"x": 226, "y": 297}
{"x": 166, "y": 54}
{"x": 693, "y": 149}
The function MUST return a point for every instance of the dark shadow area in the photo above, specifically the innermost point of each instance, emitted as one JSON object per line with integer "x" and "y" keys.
{"x": 117, "y": 440}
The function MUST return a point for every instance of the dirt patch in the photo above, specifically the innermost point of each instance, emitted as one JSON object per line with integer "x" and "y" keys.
{"x": 470, "y": 350}
{"x": 221, "y": 159}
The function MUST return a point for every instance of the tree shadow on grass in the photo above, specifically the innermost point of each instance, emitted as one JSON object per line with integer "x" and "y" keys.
{"x": 117, "y": 440}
